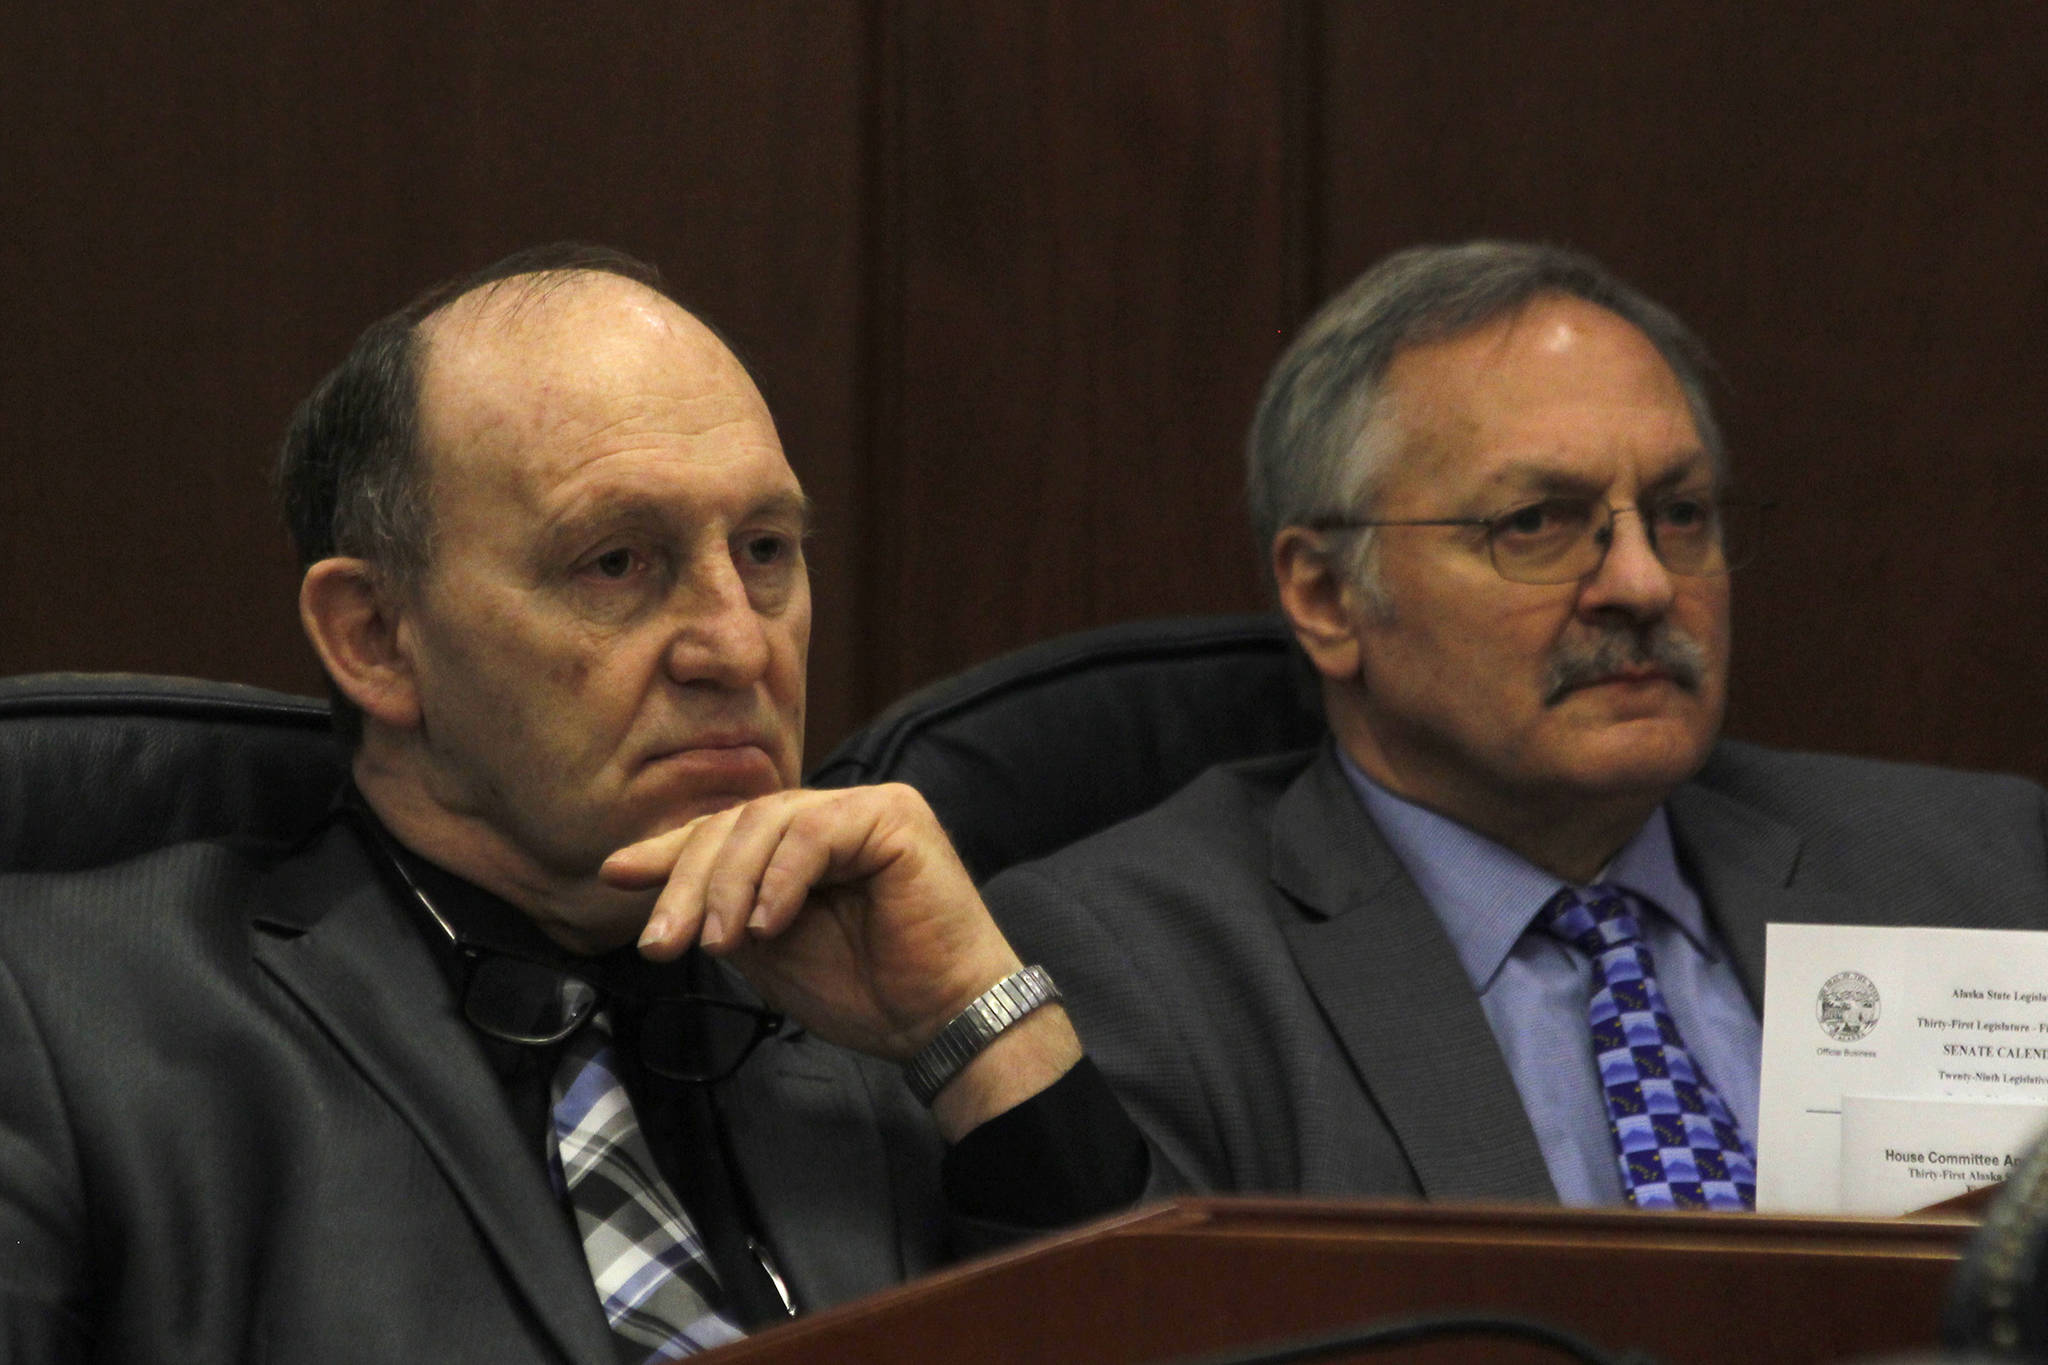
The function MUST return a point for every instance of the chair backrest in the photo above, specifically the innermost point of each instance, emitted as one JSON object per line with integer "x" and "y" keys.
{"x": 98, "y": 767}
{"x": 1018, "y": 756}
{"x": 1031, "y": 751}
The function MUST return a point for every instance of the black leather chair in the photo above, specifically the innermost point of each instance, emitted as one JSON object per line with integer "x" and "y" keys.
{"x": 98, "y": 767}
{"x": 1019, "y": 756}
{"x": 1036, "y": 749}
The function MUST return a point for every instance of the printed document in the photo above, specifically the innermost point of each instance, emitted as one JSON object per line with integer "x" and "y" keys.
{"x": 1901, "y": 1067}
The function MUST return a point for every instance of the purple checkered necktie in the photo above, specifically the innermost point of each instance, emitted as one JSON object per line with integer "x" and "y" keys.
{"x": 651, "y": 1273}
{"x": 1678, "y": 1143}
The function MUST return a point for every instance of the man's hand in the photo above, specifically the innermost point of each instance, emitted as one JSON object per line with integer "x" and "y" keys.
{"x": 849, "y": 911}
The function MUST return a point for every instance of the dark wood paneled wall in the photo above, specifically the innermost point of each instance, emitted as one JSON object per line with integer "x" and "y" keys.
{"x": 1850, "y": 203}
{"x": 1091, "y": 224}
{"x": 1012, "y": 274}
{"x": 204, "y": 205}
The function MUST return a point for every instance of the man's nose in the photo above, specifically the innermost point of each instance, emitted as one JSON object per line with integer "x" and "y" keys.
{"x": 720, "y": 638}
{"x": 1631, "y": 579}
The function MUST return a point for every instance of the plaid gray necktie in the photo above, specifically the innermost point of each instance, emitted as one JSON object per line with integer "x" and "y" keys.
{"x": 1678, "y": 1143}
{"x": 657, "y": 1286}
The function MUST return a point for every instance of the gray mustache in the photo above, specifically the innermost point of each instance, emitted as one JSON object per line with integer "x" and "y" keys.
{"x": 1573, "y": 666}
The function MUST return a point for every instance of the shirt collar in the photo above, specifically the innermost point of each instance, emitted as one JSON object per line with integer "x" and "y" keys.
{"x": 1486, "y": 895}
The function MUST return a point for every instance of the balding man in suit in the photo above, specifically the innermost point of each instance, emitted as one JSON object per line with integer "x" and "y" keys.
{"x": 578, "y": 1032}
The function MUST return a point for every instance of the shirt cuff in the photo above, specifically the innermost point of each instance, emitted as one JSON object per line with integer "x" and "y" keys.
{"x": 1067, "y": 1154}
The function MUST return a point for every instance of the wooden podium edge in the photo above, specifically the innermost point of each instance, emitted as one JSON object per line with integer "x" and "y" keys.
{"x": 1931, "y": 1236}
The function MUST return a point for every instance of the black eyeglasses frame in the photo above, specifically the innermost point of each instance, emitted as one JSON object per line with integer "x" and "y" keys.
{"x": 478, "y": 962}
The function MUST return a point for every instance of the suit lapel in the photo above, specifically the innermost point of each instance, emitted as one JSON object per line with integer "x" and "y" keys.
{"x": 1744, "y": 864}
{"x": 1385, "y": 975}
{"x": 355, "y": 965}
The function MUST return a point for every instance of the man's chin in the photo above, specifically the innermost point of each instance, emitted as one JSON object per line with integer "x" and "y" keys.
{"x": 673, "y": 811}
{"x": 598, "y": 920}
{"x": 1651, "y": 755}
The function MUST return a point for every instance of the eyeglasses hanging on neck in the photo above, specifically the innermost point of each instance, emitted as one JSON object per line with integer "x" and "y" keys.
{"x": 681, "y": 1035}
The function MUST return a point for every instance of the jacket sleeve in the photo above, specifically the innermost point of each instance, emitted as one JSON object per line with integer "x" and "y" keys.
{"x": 1146, "y": 1058}
{"x": 1066, "y": 1155}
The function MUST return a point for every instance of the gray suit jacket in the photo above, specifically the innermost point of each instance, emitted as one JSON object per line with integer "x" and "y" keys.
{"x": 1282, "y": 1011}
{"x": 241, "y": 1119}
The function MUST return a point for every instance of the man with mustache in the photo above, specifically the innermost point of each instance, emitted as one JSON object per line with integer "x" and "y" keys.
{"x": 1502, "y": 936}
{"x": 577, "y": 1032}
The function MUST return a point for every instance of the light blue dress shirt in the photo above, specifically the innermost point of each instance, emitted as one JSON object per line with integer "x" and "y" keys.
{"x": 1534, "y": 988}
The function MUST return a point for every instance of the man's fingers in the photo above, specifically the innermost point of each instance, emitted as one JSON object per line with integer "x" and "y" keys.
{"x": 796, "y": 864}
{"x": 680, "y": 917}
{"x": 649, "y": 862}
{"x": 749, "y": 871}
{"x": 734, "y": 889}
{"x": 777, "y": 853}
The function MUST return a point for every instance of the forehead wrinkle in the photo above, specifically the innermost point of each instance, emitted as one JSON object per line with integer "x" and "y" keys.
{"x": 596, "y": 464}
{"x": 560, "y": 377}
{"x": 1455, "y": 405}
{"x": 1550, "y": 476}
{"x": 685, "y": 397}
{"x": 604, "y": 499}
{"x": 538, "y": 342}
{"x": 636, "y": 423}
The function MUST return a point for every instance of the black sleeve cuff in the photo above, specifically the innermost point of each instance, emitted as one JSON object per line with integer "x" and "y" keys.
{"x": 1067, "y": 1154}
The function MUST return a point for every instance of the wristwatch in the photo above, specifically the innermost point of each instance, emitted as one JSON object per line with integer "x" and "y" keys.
{"x": 991, "y": 1014}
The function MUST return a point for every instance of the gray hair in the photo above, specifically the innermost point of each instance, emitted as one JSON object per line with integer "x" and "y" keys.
{"x": 1321, "y": 442}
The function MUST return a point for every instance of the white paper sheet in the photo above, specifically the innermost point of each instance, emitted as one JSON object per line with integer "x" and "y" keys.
{"x": 1888, "y": 1013}
{"x": 1900, "y": 1155}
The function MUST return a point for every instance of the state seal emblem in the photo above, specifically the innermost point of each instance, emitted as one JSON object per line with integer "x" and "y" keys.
{"x": 1848, "y": 1006}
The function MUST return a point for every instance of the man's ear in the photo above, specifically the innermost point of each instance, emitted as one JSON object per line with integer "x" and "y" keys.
{"x": 1318, "y": 602}
{"x": 352, "y": 618}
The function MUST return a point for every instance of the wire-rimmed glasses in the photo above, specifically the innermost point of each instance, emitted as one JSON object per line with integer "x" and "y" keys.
{"x": 1562, "y": 539}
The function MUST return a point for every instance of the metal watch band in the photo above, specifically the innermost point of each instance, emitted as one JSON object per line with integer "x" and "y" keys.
{"x": 974, "y": 1028}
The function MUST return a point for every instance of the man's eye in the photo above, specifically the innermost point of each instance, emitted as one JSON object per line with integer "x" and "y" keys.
{"x": 765, "y": 549}
{"x": 1685, "y": 514}
{"x": 613, "y": 563}
{"x": 1551, "y": 517}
